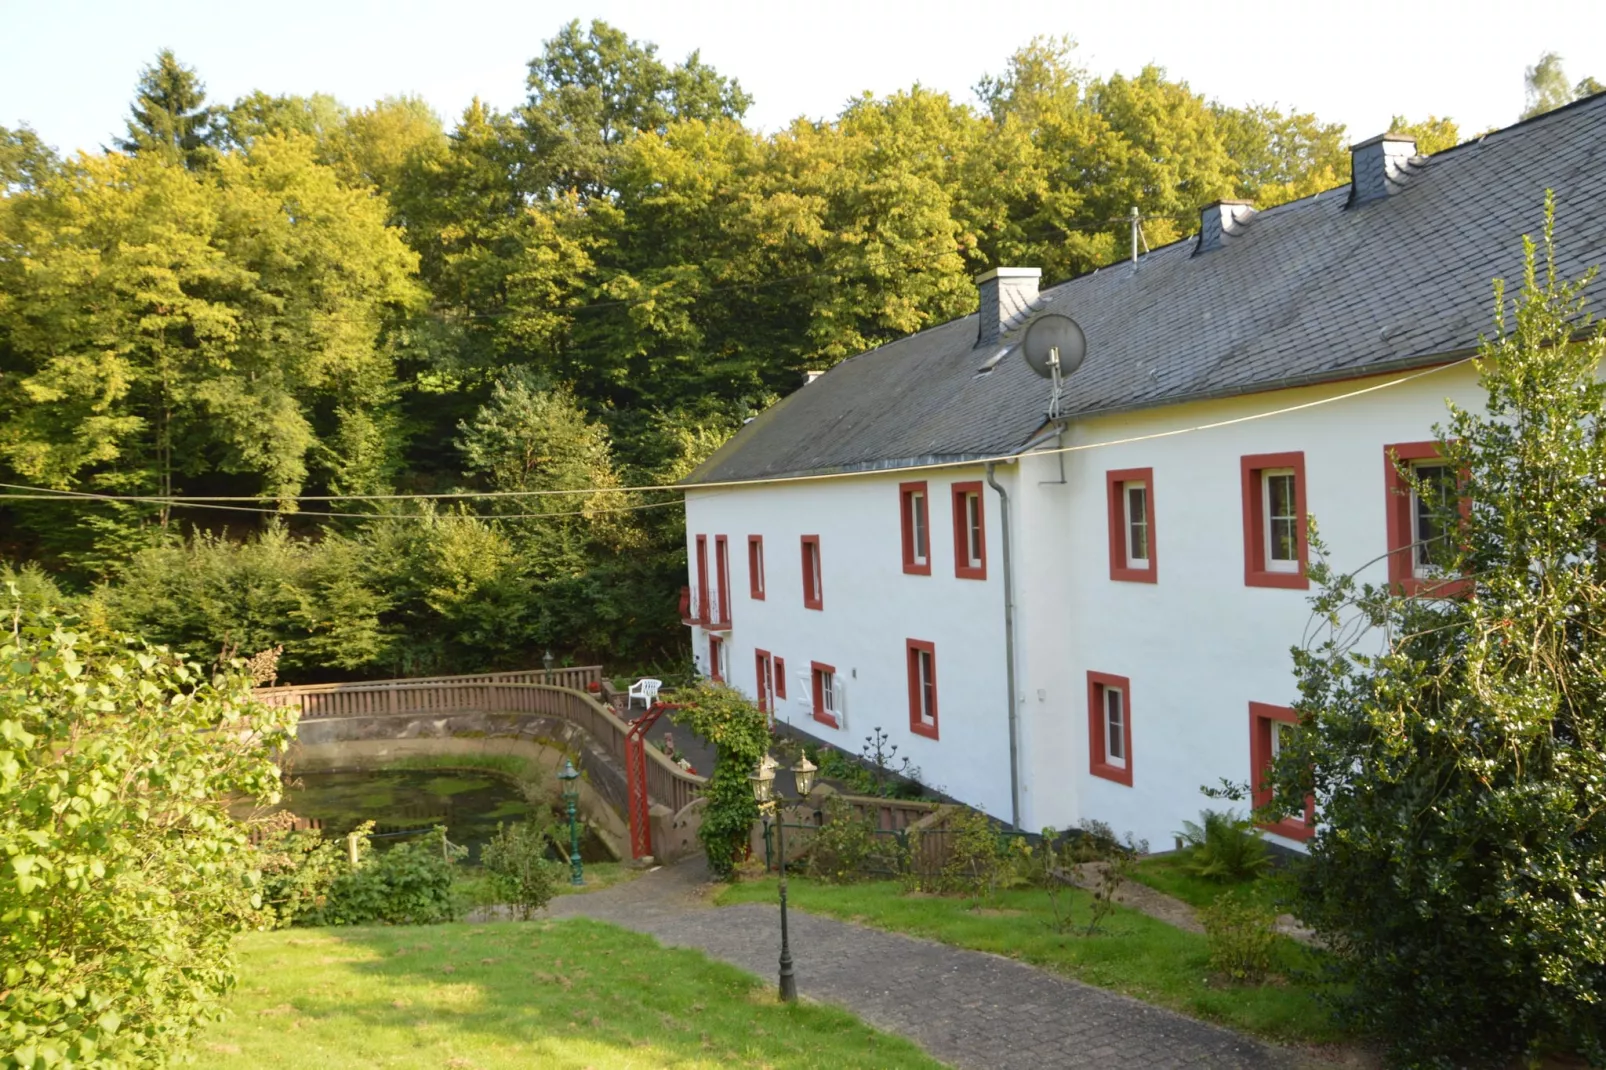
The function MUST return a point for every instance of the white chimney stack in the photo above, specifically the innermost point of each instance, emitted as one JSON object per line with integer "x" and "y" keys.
{"x": 1219, "y": 220}
{"x": 1379, "y": 167}
{"x": 1006, "y": 293}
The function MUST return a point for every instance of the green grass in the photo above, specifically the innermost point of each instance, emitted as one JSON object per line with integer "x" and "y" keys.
{"x": 572, "y": 993}
{"x": 1138, "y": 955}
{"x": 1168, "y": 874}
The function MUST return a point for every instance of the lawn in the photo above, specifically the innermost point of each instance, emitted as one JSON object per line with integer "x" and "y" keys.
{"x": 573, "y": 993}
{"x": 1168, "y": 873}
{"x": 473, "y": 887}
{"x": 1138, "y": 955}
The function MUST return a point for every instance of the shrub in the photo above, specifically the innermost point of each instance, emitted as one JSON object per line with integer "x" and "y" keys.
{"x": 1455, "y": 750}
{"x": 1225, "y": 846}
{"x": 976, "y": 860}
{"x": 1242, "y": 936}
{"x": 1111, "y": 862}
{"x": 407, "y": 884}
{"x": 126, "y": 877}
{"x": 298, "y": 868}
{"x": 845, "y": 846}
{"x": 516, "y": 858}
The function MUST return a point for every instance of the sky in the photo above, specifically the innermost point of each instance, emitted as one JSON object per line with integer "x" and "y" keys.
{"x": 70, "y": 65}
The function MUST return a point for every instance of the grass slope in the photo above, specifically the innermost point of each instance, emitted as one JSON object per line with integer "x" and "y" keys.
{"x": 571, "y": 993}
{"x": 1169, "y": 874}
{"x": 1138, "y": 955}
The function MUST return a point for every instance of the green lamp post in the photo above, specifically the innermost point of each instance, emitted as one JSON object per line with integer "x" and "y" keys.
{"x": 763, "y": 780}
{"x": 571, "y": 797}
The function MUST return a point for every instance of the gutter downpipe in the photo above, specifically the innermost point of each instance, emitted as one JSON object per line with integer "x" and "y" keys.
{"x": 1009, "y": 647}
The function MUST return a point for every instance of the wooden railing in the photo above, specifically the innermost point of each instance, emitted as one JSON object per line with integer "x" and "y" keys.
{"x": 667, "y": 782}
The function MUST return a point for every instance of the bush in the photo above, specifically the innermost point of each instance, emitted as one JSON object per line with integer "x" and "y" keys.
{"x": 1225, "y": 847}
{"x": 407, "y": 884}
{"x": 1242, "y": 936}
{"x": 298, "y": 868}
{"x": 1456, "y": 750}
{"x": 845, "y": 846}
{"x": 976, "y": 860}
{"x": 516, "y": 858}
{"x": 740, "y": 731}
{"x": 126, "y": 876}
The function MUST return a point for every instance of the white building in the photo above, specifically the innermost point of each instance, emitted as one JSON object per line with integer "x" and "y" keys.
{"x": 908, "y": 542}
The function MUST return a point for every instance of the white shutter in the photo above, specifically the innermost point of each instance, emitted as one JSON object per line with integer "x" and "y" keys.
{"x": 841, "y": 703}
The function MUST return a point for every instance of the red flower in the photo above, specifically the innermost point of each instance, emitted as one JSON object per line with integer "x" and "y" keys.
{"x": 594, "y": 686}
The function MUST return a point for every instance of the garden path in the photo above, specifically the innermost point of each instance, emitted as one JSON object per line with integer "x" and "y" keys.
{"x": 964, "y": 1007}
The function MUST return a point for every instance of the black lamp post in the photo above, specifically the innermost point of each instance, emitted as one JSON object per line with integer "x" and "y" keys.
{"x": 763, "y": 781}
{"x": 571, "y": 796}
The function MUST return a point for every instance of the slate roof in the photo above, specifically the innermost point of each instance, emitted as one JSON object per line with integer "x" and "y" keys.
{"x": 1305, "y": 292}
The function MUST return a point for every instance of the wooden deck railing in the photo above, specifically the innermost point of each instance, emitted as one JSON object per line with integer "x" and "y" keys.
{"x": 667, "y": 782}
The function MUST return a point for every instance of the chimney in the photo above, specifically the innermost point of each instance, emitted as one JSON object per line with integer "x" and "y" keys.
{"x": 810, "y": 376}
{"x": 1006, "y": 292}
{"x": 1380, "y": 166}
{"x": 1219, "y": 220}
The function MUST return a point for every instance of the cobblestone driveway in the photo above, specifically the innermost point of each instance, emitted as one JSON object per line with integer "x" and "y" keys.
{"x": 964, "y": 1007}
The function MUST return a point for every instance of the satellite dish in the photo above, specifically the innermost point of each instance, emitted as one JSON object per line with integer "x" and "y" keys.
{"x": 1054, "y": 346}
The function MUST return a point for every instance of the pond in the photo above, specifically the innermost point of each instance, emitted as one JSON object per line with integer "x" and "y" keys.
{"x": 406, "y": 803}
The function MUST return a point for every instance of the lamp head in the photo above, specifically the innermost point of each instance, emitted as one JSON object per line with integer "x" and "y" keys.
{"x": 803, "y": 774}
{"x": 570, "y": 777}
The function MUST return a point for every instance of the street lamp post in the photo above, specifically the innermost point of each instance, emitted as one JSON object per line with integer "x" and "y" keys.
{"x": 547, "y": 661}
{"x": 571, "y": 796}
{"x": 763, "y": 781}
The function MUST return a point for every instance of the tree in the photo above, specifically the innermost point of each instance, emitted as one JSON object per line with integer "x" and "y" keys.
{"x": 591, "y": 90}
{"x": 1455, "y": 743}
{"x": 1280, "y": 158}
{"x": 24, "y": 160}
{"x": 319, "y": 116}
{"x": 1547, "y": 87}
{"x": 168, "y": 117}
{"x": 126, "y": 876}
{"x": 1432, "y": 134}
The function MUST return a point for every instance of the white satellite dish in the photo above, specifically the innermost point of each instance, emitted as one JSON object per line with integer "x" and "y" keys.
{"x": 1054, "y": 348}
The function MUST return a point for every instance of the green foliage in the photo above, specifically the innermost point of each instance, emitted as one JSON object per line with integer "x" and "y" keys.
{"x": 1225, "y": 846}
{"x": 740, "y": 733}
{"x": 841, "y": 851}
{"x": 1432, "y": 134}
{"x": 516, "y": 858}
{"x": 1110, "y": 862}
{"x": 299, "y": 866}
{"x": 125, "y": 876}
{"x": 408, "y": 883}
{"x": 168, "y": 119}
{"x": 1548, "y": 88}
{"x": 977, "y": 862}
{"x": 1456, "y": 746}
{"x": 1242, "y": 936}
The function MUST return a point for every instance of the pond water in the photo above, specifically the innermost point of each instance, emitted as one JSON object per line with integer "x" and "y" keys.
{"x": 404, "y": 803}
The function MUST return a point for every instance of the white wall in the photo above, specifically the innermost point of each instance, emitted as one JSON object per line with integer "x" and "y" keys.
{"x": 871, "y": 609}
{"x": 1199, "y": 645}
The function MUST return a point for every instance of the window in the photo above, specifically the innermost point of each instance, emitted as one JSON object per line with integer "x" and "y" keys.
{"x": 722, "y": 574}
{"x": 915, "y": 520}
{"x": 716, "y": 658}
{"x": 763, "y": 687}
{"x": 922, "y": 658}
{"x": 1418, "y": 536}
{"x": 826, "y": 697}
{"x": 1131, "y": 505}
{"x": 813, "y": 593}
{"x": 970, "y": 532}
{"x": 755, "y": 567}
{"x": 1274, "y": 520}
{"x": 702, "y": 580}
{"x": 780, "y": 677}
{"x": 1109, "y": 727}
{"x": 1267, "y": 728}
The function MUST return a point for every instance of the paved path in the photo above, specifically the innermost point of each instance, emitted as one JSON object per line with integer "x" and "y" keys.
{"x": 965, "y": 1007}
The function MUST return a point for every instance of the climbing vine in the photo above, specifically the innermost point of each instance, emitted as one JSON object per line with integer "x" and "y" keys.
{"x": 740, "y": 732}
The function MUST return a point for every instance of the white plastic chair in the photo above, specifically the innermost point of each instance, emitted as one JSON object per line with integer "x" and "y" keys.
{"x": 646, "y": 689}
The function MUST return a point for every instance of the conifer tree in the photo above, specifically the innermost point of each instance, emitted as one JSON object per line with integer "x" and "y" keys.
{"x": 169, "y": 116}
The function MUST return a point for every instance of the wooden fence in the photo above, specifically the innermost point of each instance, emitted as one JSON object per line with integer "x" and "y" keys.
{"x": 516, "y": 693}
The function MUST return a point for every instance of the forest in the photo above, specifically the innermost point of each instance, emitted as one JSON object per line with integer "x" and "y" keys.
{"x": 376, "y": 389}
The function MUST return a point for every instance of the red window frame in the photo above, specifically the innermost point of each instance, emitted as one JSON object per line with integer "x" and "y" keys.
{"x": 722, "y": 569}
{"x": 762, "y": 673}
{"x": 1096, "y": 683}
{"x": 906, "y": 524}
{"x": 715, "y": 673}
{"x": 820, "y": 714}
{"x": 913, "y": 648}
{"x": 1261, "y": 717}
{"x": 1115, "y": 482}
{"x": 780, "y": 677}
{"x": 702, "y": 579}
{"x": 1401, "y": 524}
{"x": 962, "y": 566}
{"x": 755, "y": 567}
{"x": 1256, "y": 574}
{"x": 813, "y": 582}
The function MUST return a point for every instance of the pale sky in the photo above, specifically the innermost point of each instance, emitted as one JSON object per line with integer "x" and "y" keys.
{"x": 69, "y": 66}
